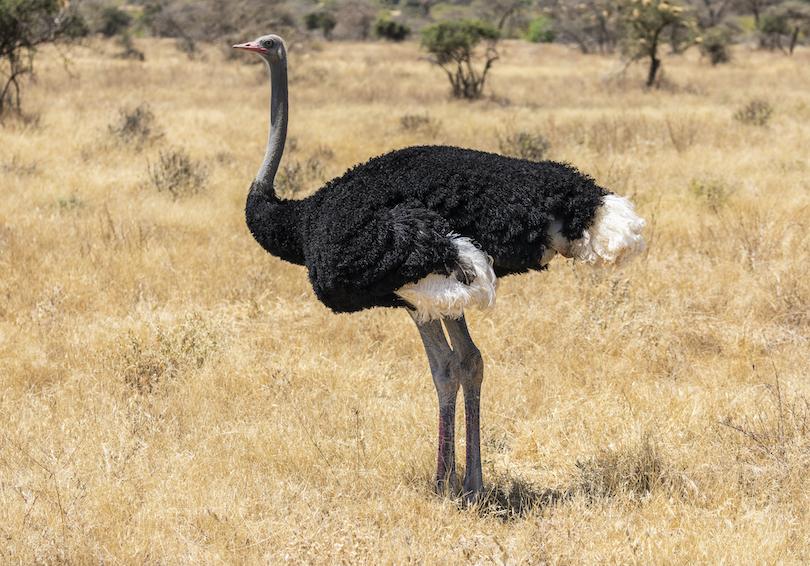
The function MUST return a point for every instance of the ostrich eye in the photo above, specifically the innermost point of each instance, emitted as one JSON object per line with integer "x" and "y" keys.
{"x": 268, "y": 43}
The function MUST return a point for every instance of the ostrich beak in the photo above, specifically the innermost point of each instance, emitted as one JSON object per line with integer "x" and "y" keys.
{"x": 250, "y": 46}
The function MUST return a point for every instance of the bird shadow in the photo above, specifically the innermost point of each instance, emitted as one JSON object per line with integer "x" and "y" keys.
{"x": 511, "y": 498}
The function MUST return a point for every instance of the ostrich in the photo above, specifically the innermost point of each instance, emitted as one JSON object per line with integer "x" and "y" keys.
{"x": 431, "y": 229}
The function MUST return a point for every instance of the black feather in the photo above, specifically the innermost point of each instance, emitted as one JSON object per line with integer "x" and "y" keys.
{"x": 389, "y": 221}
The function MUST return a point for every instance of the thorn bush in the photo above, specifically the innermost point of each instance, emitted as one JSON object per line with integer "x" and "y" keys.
{"x": 711, "y": 189}
{"x": 149, "y": 360}
{"x": 421, "y": 124}
{"x": 637, "y": 471}
{"x": 294, "y": 177}
{"x": 135, "y": 126}
{"x": 524, "y": 145}
{"x": 755, "y": 113}
{"x": 177, "y": 174}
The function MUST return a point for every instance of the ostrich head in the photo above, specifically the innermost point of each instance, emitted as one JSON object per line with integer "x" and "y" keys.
{"x": 559, "y": 243}
{"x": 271, "y": 47}
{"x": 272, "y": 50}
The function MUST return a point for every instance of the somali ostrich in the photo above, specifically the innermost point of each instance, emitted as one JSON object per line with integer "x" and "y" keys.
{"x": 431, "y": 229}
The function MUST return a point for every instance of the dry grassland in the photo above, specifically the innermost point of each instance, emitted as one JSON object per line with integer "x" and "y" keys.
{"x": 170, "y": 394}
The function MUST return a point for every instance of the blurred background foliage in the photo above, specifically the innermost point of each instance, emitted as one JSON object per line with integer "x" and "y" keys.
{"x": 635, "y": 30}
{"x": 600, "y": 26}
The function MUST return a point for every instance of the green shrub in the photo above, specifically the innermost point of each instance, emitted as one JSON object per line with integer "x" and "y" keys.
{"x": 391, "y": 30}
{"x": 113, "y": 21}
{"x": 323, "y": 20}
{"x": 714, "y": 44}
{"x": 69, "y": 203}
{"x": 452, "y": 45}
{"x": 541, "y": 30}
{"x": 129, "y": 49}
{"x": 772, "y": 27}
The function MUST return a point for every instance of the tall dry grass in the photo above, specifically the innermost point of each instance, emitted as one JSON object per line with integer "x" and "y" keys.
{"x": 171, "y": 394}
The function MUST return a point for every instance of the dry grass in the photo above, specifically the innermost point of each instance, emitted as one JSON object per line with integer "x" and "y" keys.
{"x": 170, "y": 394}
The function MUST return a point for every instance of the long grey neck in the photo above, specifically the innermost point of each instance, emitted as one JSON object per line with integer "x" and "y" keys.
{"x": 278, "y": 127}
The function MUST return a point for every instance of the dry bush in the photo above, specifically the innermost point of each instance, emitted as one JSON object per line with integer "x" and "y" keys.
{"x": 756, "y": 113}
{"x": 511, "y": 498}
{"x": 135, "y": 127}
{"x": 712, "y": 190}
{"x": 295, "y": 179}
{"x": 129, "y": 51}
{"x": 636, "y": 472}
{"x": 779, "y": 428}
{"x": 421, "y": 124}
{"x": 524, "y": 145}
{"x": 148, "y": 362}
{"x": 683, "y": 129}
{"x": 13, "y": 167}
{"x": 177, "y": 174}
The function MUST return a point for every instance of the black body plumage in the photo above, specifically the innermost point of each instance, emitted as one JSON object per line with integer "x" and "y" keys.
{"x": 389, "y": 221}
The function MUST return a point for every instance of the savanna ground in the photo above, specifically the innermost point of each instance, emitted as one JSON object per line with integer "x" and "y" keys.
{"x": 171, "y": 394}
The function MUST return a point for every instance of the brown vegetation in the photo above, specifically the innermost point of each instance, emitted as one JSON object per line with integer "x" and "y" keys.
{"x": 171, "y": 394}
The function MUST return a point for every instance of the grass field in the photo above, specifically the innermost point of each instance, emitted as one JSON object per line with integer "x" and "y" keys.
{"x": 170, "y": 394}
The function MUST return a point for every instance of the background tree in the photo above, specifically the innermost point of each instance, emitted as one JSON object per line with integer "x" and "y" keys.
{"x": 322, "y": 20}
{"x": 215, "y": 21}
{"x": 452, "y": 46}
{"x": 772, "y": 27}
{"x": 355, "y": 19}
{"x": 501, "y": 13}
{"x": 593, "y": 25}
{"x": 713, "y": 43}
{"x": 541, "y": 30}
{"x": 645, "y": 23}
{"x": 789, "y": 19}
{"x": 25, "y": 25}
{"x": 423, "y": 6}
{"x": 757, "y": 8}
{"x": 711, "y": 13}
{"x": 113, "y": 21}
{"x": 716, "y": 20}
{"x": 391, "y": 30}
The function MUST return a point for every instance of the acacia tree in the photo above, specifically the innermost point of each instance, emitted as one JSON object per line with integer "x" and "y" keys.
{"x": 645, "y": 22}
{"x": 25, "y": 25}
{"x": 452, "y": 46}
{"x": 788, "y": 18}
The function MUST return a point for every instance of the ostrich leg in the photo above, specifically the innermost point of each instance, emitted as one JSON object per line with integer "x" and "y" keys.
{"x": 472, "y": 375}
{"x": 445, "y": 368}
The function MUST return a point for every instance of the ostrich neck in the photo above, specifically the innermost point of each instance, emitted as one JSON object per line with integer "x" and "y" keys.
{"x": 276, "y": 224}
{"x": 278, "y": 127}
